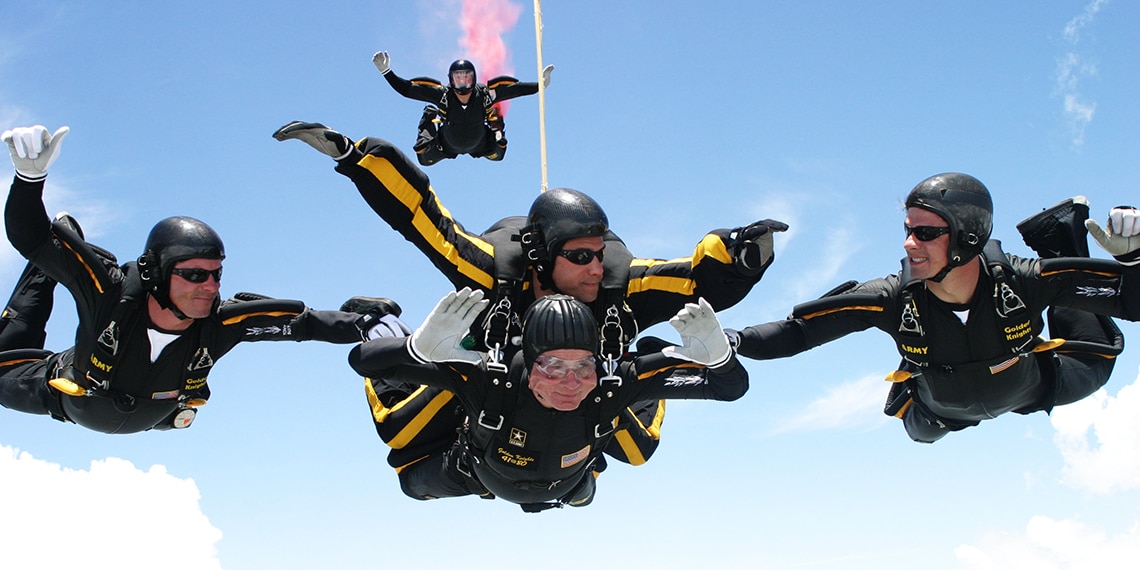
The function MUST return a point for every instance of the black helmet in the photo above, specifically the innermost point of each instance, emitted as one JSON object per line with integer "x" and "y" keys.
{"x": 558, "y": 321}
{"x": 172, "y": 240}
{"x": 462, "y": 65}
{"x": 563, "y": 214}
{"x": 964, "y": 202}
{"x": 556, "y": 216}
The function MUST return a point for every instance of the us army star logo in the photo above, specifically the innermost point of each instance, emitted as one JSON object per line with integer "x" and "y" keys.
{"x": 518, "y": 437}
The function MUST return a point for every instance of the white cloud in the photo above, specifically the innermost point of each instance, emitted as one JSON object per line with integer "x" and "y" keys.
{"x": 110, "y": 516}
{"x": 1072, "y": 30}
{"x": 1071, "y": 68}
{"x": 1049, "y": 544}
{"x": 1108, "y": 458}
{"x": 843, "y": 406}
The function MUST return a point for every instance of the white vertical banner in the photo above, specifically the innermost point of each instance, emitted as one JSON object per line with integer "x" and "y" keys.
{"x": 541, "y": 91}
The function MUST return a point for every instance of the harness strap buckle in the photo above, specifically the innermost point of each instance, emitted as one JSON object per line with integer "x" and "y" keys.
{"x": 611, "y": 379}
{"x": 493, "y": 365}
{"x": 497, "y": 426}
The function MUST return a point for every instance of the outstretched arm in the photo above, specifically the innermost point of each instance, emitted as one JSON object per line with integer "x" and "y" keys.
{"x": 423, "y": 89}
{"x": 846, "y": 309}
{"x": 723, "y": 268}
{"x": 506, "y": 87}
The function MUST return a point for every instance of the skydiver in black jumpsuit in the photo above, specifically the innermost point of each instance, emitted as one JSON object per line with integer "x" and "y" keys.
{"x": 967, "y": 318}
{"x": 149, "y": 331}
{"x": 462, "y": 118}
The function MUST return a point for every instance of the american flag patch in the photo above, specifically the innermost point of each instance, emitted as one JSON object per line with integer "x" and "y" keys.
{"x": 576, "y": 457}
{"x": 997, "y": 368}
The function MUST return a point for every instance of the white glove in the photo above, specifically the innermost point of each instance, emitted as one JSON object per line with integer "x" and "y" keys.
{"x": 1122, "y": 239}
{"x": 1124, "y": 221}
{"x": 389, "y": 326}
{"x": 382, "y": 62}
{"x": 33, "y": 150}
{"x": 546, "y": 76}
{"x": 702, "y": 338}
{"x": 439, "y": 338}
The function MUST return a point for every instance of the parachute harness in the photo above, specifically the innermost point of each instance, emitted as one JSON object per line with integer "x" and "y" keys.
{"x": 612, "y": 334}
{"x": 497, "y": 326}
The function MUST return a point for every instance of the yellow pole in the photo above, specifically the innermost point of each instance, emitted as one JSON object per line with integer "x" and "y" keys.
{"x": 541, "y": 91}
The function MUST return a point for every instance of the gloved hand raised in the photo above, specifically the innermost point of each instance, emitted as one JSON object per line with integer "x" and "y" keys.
{"x": 382, "y": 62}
{"x": 33, "y": 150}
{"x": 702, "y": 339}
{"x": 753, "y": 247}
{"x": 439, "y": 338}
{"x": 1122, "y": 239}
{"x": 546, "y": 71}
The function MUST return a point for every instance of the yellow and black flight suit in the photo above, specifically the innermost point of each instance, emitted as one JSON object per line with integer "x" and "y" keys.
{"x": 651, "y": 291}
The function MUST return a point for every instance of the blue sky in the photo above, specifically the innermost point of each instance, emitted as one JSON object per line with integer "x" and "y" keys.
{"x": 678, "y": 119}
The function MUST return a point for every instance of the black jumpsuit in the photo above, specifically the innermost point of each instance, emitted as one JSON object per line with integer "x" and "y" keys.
{"x": 143, "y": 394}
{"x": 966, "y": 372}
{"x": 464, "y": 129}
{"x": 537, "y": 455}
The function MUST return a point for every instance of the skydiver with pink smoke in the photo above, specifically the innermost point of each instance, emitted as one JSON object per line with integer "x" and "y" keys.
{"x": 462, "y": 117}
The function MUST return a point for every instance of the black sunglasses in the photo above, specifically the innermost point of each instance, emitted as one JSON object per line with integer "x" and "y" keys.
{"x": 926, "y": 233}
{"x": 582, "y": 256}
{"x": 195, "y": 275}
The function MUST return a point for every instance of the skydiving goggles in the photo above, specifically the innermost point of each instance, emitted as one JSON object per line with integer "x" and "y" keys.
{"x": 462, "y": 78}
{"x": 582, "y": 256}
{"x": 196, "y": 275}
{"x": 557, "y": 368}
{"x": 926, "y": 233}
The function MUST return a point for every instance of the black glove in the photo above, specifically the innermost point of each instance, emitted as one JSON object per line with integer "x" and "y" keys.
{"x": 379, "y": 306}
{"x": 371, "y": 310}
{"x": 752, "y": 245}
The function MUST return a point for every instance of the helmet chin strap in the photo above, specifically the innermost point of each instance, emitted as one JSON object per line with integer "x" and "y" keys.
{"x": 545, "y": 276}
{"x": 163, "y": 299}
{"x": 938, "y": 277}
{"x": 950, "y": 265}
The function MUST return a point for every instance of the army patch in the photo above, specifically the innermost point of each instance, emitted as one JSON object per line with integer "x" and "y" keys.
{"x": 518, "y": 438}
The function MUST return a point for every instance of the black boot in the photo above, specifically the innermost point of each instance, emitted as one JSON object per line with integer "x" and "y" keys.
{"x": 1058, "y": 231}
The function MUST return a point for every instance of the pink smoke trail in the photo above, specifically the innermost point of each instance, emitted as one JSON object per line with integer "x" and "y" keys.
{"x": 483, "y": 23}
